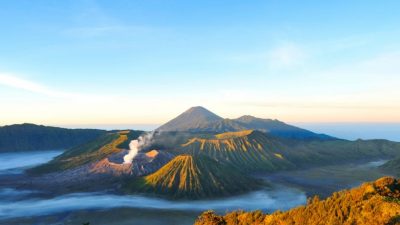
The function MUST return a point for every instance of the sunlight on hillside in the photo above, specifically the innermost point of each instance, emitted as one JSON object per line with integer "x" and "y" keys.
{"x": 235, "y": 134}
{"x": 373, "y": 203}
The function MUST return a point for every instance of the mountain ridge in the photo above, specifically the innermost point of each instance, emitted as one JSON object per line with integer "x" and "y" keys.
{"x": 247, "y": 150}
{"x": 199, "y": 119}
{"x": 31, "y": 137}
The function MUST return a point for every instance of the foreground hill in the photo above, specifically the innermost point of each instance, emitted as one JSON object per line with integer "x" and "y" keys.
{"x": 27, "y": 137}
{"x": 254, "y": 150}
{"x": 200, "y": 120}
{"x": 194, "y": 177}
{"x": 374, "y": 203}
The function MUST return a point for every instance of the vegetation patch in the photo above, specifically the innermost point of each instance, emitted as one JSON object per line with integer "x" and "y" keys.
{"x": 345, "y": 207}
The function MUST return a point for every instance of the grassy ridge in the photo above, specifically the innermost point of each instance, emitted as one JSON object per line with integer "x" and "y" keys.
{"x": 194, "y": 177}
{"x": 247, "y": 150}
{"x": 90, "y": 152}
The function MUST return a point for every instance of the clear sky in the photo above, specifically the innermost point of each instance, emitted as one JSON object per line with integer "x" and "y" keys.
{"x": 87, "y": 62}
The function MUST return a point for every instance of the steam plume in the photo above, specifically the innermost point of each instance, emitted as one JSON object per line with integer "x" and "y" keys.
{"x": 136, "y": 145}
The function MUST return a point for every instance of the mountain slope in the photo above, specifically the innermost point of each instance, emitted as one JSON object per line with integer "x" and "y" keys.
{"x": 371, "y": 203}
{"x": 95, "y": 150}
{"x": 257, "y": 151}
{"x": 194, "y": 177}
{"x": 248, "y": 150}
{"x": 193, "y": 119}
{"x": 27, "y": 137}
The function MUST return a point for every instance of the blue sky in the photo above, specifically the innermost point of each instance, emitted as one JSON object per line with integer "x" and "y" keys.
{"x": 143, "y": 62}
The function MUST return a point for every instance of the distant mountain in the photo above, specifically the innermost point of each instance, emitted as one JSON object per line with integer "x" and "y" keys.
{"x": 29, "y": 137}
{"x": 279, "y": 129}
{"x": 193, "y": 119}
{"x": 200, "y": 120}
{"x": 194, "y": 177}
{"x": 372, "y": 203}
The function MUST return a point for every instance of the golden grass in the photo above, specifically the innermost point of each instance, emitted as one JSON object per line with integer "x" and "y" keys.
{"x": 96, "y": 155}
{"x": 235, "y": 134}
{"x": 224, "y": 140}
{"x": 370, "y": 204}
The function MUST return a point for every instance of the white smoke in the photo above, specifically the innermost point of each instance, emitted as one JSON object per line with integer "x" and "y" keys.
{"x": 133, "y": 150}
{"x": 136, "y": 145}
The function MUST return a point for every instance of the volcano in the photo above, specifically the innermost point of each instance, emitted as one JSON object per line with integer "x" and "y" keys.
{"x": 194, "y": 119}
{"x": 194, "y": 177}
{"x": 201, "y": 120}
{"x": 247, "y": 149}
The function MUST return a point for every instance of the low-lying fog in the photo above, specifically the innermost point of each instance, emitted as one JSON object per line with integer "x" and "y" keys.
{"x": 288, "y": 190}
{"x": 16, "y": 162}
{"x": 269, "y": 200}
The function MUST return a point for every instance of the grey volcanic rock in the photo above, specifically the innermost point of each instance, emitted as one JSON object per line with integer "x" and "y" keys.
{"x": 143, "y": 164}
{"x": 147, "y": 163}
{"x": 104, "y": 166}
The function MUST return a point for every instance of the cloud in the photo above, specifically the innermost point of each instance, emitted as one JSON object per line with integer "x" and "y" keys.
{"x": 16, "y": 82}
{"x": 386, "y": 64}
{"x": 284, "y": 55}
{"x": 379, "y": 73}
{"x": 19, "y": 83}
{"x": 287, "y": 54}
